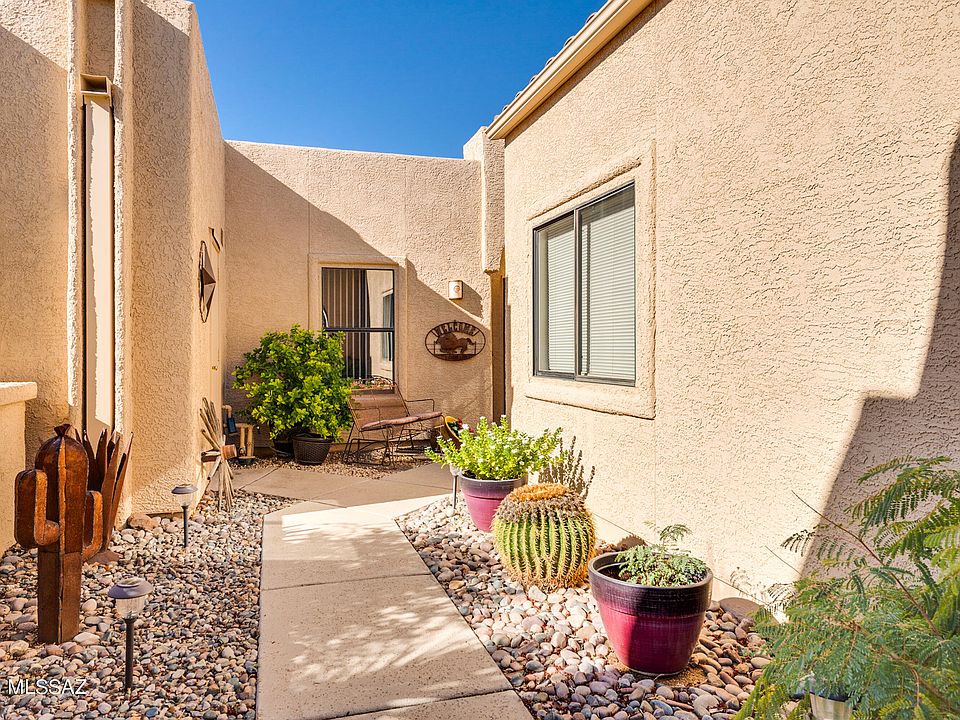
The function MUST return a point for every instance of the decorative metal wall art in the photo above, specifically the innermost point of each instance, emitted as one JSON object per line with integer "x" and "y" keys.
{"x": 208, "y": 282}
{"x": 455, "y": 340}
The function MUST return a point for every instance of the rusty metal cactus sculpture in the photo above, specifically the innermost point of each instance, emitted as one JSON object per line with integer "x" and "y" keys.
{"x": 107, "y": 467}
{"x": 56, "y": 513}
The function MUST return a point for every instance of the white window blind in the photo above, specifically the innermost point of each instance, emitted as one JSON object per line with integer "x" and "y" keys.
{"x": 556, "y": 295}
{"x": 608, "y": 288}
{"x": 585, "y": 292}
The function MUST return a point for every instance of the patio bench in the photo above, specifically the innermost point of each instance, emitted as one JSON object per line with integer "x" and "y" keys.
{"x": 384, "y": 419}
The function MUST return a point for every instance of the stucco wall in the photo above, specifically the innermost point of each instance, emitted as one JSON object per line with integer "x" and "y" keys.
{"x": 13, "y": 397}
{"x": 804, "y": 315}
{"x": 293, "y": 210}
{"x": 177, "y": 196}
{"x": 33, "y": 211}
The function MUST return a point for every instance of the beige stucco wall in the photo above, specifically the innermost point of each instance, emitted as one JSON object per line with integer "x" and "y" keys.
{"x": 33, "y": 210}
{"x": 168, "y": 195}
{"x": 13, "y": 397}
{"x": 177, "y": 196}
{"x": 804, "y": 316}
{"x": 293, "y": 210}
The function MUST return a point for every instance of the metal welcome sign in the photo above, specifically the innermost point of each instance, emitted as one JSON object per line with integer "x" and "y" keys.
{"x": 455, "y": 340}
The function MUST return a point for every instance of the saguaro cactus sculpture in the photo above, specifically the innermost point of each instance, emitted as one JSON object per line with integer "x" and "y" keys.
{"x": 107, "y": 466}
{"x": 55, "y": 513}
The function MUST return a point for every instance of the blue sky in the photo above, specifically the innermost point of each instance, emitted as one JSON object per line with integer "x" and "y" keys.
{"x": 404, "y": 77}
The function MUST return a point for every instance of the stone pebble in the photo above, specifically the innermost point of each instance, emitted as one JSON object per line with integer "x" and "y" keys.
{"x": 197, "y": 637}
{"x": 552, "y": 648}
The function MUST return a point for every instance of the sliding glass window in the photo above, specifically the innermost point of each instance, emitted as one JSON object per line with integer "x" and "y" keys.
{"x": 585, "y": 292}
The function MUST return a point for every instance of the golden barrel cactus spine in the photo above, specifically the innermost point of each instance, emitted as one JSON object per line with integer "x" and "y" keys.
{"x": 545, "y": 536}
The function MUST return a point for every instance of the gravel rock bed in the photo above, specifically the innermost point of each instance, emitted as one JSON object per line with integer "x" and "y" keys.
{"x": 552, "y": 647}
{"x": 196, "y": 639}
{"x": 335, "y": 465}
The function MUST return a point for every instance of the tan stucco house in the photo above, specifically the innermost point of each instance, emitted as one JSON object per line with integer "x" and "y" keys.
{"x": 716, "y": 242}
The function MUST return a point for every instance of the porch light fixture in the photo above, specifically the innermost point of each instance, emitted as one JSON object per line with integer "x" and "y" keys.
{"x": 184, "y": 495}
{"x": 130, "y": 596}
{"x": 455, "y": 289}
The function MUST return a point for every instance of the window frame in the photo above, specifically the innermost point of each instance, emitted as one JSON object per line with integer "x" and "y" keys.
{"x": 369, "y": 331}
{"x": 576, "y": 375}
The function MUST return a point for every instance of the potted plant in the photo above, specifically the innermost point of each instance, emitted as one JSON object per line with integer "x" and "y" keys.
{"x": 652, "y": 599}
{"x": 874, "y": 630}
{"x": 295, "y": 383}
{"x": 491, "y": 461}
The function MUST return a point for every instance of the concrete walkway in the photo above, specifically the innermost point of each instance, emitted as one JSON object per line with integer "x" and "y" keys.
{"x": 352, "y": 623}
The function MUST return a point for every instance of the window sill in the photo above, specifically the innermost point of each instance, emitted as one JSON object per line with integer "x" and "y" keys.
{"x": 613, "y": 399}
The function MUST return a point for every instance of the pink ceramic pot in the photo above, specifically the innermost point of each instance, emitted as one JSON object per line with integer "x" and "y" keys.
{"x": 652, "y": 629}
{"x": 484, "y": 497}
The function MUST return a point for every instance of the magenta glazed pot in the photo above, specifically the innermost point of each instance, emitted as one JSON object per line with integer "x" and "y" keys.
{"x": 484, "y": 497}
{"x": 652, "y": 629}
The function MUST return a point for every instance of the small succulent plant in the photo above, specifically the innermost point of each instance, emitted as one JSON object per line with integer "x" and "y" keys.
{"x": 545, "y": 536}
{"x": 663, "y": 564}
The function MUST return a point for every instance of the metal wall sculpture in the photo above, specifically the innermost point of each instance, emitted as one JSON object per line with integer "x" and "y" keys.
{"x": 455, "y": 340}
{"x": 208, "y": 282}
{"x": 56, "y": 513}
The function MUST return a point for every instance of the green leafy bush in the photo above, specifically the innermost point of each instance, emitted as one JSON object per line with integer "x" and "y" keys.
{"x": 545, "y": 536}
{"x": 662, "y": 564}
{"x": 879, "y": 621}
{"x": 295, "y": 382}
{"x": 493, "y": 451}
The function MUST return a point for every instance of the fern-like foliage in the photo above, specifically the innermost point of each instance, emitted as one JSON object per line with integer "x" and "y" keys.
{"x": 880, "y": 622}
{"x": 567, "y": 469}
{"x": 545, "y": 536}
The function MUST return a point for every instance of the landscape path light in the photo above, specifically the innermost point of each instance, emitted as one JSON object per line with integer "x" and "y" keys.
{"x": 184, "y": 495}
{"x": 130, "y": 596}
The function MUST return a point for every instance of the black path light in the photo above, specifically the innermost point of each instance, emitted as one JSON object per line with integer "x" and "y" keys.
{"x": 184, "y": 494}
{"x": 130, "y": 596}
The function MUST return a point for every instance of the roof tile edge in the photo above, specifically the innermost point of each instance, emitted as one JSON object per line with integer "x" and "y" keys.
{"x": 600, "y": 28}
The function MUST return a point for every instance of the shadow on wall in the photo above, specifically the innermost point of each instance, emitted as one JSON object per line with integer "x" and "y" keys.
{"x": 33, "y": 232}
{"x": 928, "y": 424}
{"x": 273, "y": 231}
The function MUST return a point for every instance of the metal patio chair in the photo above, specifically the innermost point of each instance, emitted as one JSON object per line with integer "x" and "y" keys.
{"x": 384, "y": 420}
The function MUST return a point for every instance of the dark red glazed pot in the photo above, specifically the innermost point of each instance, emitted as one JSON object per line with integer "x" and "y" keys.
{"x": 652, "y": 629}
{"x": 484, "y": 497}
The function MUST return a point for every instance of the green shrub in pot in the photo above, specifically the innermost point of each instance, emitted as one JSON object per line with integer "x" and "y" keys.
{"x": 295, "y": 383}
{"x": 492, "y": 460}
{"x": 492, "y": 451}
{"x": 878, "y": 622}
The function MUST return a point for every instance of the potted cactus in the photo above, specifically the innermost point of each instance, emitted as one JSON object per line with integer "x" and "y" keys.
{"x": 545, "y": 536}
{"x": 652, "y": 599}
{"x": 492, "y": 461}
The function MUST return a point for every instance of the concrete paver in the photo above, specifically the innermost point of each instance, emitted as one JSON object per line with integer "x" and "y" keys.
{"x": 352, "y": 623}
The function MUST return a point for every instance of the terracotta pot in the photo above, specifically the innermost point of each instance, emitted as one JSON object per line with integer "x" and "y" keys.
{"x": 652, "y": 629}
{"x": 484, "y": 497}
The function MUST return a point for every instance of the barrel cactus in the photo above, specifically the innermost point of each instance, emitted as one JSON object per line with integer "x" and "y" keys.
{"x": 545, "y": 536}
